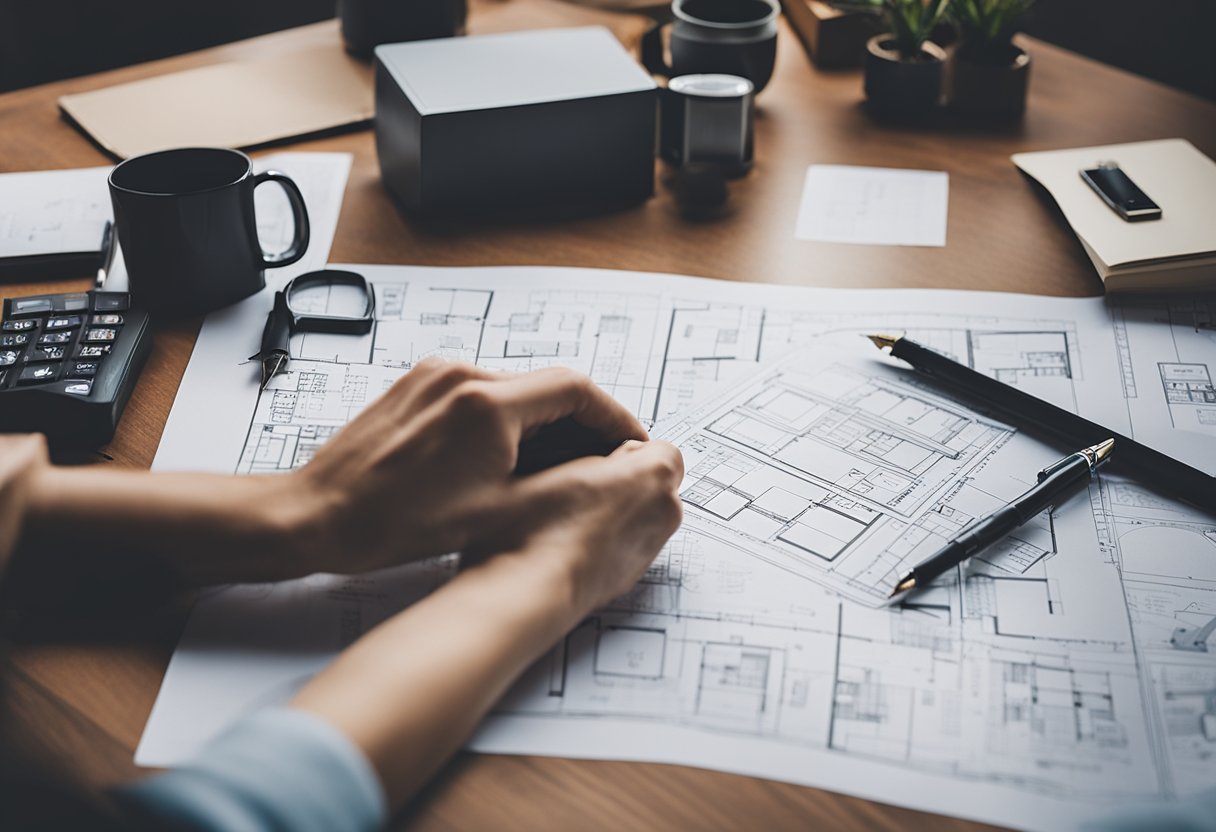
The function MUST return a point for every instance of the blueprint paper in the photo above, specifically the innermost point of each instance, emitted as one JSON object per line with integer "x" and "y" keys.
{"x": 874, "y": 206}
{"x": 1039, "y": 691}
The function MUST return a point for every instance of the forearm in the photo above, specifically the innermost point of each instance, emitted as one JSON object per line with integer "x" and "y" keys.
{"x": 410, "y": 693}
{"x": 184, "y": 529}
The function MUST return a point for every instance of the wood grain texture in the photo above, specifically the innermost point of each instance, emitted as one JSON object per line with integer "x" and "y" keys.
{"x": 87, "y": 692}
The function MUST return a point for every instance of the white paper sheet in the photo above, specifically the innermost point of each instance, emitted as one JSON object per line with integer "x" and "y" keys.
{"x": 1035, "y": 695}
{"x": 53, "y": 212}
{"x": 874, "y": 206}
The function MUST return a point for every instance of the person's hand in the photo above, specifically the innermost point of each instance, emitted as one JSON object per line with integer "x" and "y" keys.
{"x": 601, "y": 521}
{"x": 427, "y": 468}
{"x": 409, "y": 692}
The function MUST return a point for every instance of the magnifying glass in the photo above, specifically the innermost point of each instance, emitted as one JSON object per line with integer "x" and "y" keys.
{"x": 330, "y": 301}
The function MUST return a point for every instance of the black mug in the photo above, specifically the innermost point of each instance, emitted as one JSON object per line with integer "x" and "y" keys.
{"x": 189, "y": 236}
{"x": 731, "y": 37}
{"x": 368, "y": 23}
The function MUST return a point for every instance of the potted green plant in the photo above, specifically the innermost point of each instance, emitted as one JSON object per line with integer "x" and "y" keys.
{"x": 989, "y": 74}
{"x": 903, "y": 76}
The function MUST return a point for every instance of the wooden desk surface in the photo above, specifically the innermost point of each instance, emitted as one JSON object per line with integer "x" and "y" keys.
{"x": 90, "y": 693}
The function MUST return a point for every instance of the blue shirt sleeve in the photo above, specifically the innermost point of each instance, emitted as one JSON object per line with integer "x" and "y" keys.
{"x": 280, "y": 769}
{"x": 1193, "y": 814}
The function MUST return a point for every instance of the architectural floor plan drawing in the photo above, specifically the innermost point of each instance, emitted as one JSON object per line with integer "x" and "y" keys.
{"x": 846, "y": 473}
{"x": 1167, "y": 365}
{"x": 1044, "y": 684}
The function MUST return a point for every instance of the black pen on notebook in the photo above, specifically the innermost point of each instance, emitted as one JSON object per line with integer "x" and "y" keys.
{"x": 1055, "y": 482}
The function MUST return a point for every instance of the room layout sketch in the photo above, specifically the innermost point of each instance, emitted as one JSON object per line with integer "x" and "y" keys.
{"x": 826, "y": 469}
{"x": 1186, "y": 693}
{"x": 705, "y": 344}
{"x": 945, "y": 694}
{"x": 708, "y": 341}
{"x": 1166, "y": 349}
{"x": 1187, "y": 383}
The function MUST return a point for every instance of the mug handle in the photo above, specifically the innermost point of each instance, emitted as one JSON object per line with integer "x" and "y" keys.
{"x": 299, "y": 215}
{"x": 652, "y": 52}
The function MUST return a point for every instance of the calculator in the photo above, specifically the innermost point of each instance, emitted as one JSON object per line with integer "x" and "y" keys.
{"x": 68, "y": 364}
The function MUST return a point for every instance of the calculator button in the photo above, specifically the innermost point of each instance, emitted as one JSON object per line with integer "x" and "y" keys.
{"x": 56, "y": 338}
{"x": 83, "y": 369}
{"x": 79, "y": 388}
{"x": 111, "y": 301}
{"x": 70, "y": 322}
{"x": 45, "y": 354}
{"x": 18, "y": 326}
{"x": 39, "y": 374}
{"x": 98, "y": 334}
{"x": 9, "y": 357}
{"x": 32, "y": 306}
{"x": 92, "y": 350}
{"x": 72, "y": 303}
{"x": 109, "y": 319}
{"x": 14, "y": 340}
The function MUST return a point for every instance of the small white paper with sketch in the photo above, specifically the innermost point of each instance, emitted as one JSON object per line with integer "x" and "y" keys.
{"x": 874, "y": 206}
{"x": 53, "y": 211}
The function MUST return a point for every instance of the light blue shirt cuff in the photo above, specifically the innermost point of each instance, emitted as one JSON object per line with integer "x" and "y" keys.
{"x": 277, "y": 769}
{"x": 1192, "y": 814}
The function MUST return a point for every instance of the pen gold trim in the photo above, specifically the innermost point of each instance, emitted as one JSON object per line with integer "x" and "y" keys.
{"x": 884, "y": 342}
{"x": 1097, "y": 454}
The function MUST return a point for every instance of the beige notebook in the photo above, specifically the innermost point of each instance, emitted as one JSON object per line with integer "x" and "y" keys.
{"x": 237, "y": 104}
{"x": 1174, "y": 253}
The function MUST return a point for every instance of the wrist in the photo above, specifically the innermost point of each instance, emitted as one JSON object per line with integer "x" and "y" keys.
{"x": 543, "y": 584}
{"x": 287, "y": 529}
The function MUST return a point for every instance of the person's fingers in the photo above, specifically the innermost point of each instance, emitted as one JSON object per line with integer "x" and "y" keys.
{"x": 662, "y": 464}
{"x": 656, "y": 457}
{"x": 629, "y": 446}
{"x": 429, "y": 380}
{"x": 636, "y": 469}
{"x": 634, "y": 488}
{"x": 545, "y": 396}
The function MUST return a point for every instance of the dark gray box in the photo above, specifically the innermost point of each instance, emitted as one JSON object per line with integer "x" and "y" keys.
{"x": 559, "y": 118}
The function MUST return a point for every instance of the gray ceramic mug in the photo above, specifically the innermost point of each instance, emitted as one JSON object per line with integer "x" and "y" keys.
{"x": 731, "y": 37}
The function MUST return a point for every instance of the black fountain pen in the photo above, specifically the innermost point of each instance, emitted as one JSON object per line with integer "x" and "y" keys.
{"x": 276, "y": 340}
{"x": 1039, "y": 416}
{"x": 1055, "y": 481}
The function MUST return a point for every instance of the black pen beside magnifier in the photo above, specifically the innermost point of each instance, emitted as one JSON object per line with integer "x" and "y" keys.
{"x": 326, "y": 301}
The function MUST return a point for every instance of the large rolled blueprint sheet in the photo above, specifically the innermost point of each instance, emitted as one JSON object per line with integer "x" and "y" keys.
{"x": 1047, "y": 682}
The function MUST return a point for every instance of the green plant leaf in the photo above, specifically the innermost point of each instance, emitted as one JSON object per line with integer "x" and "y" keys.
{"x": 988, "y": 26}
{"x": 912, "y": 21}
